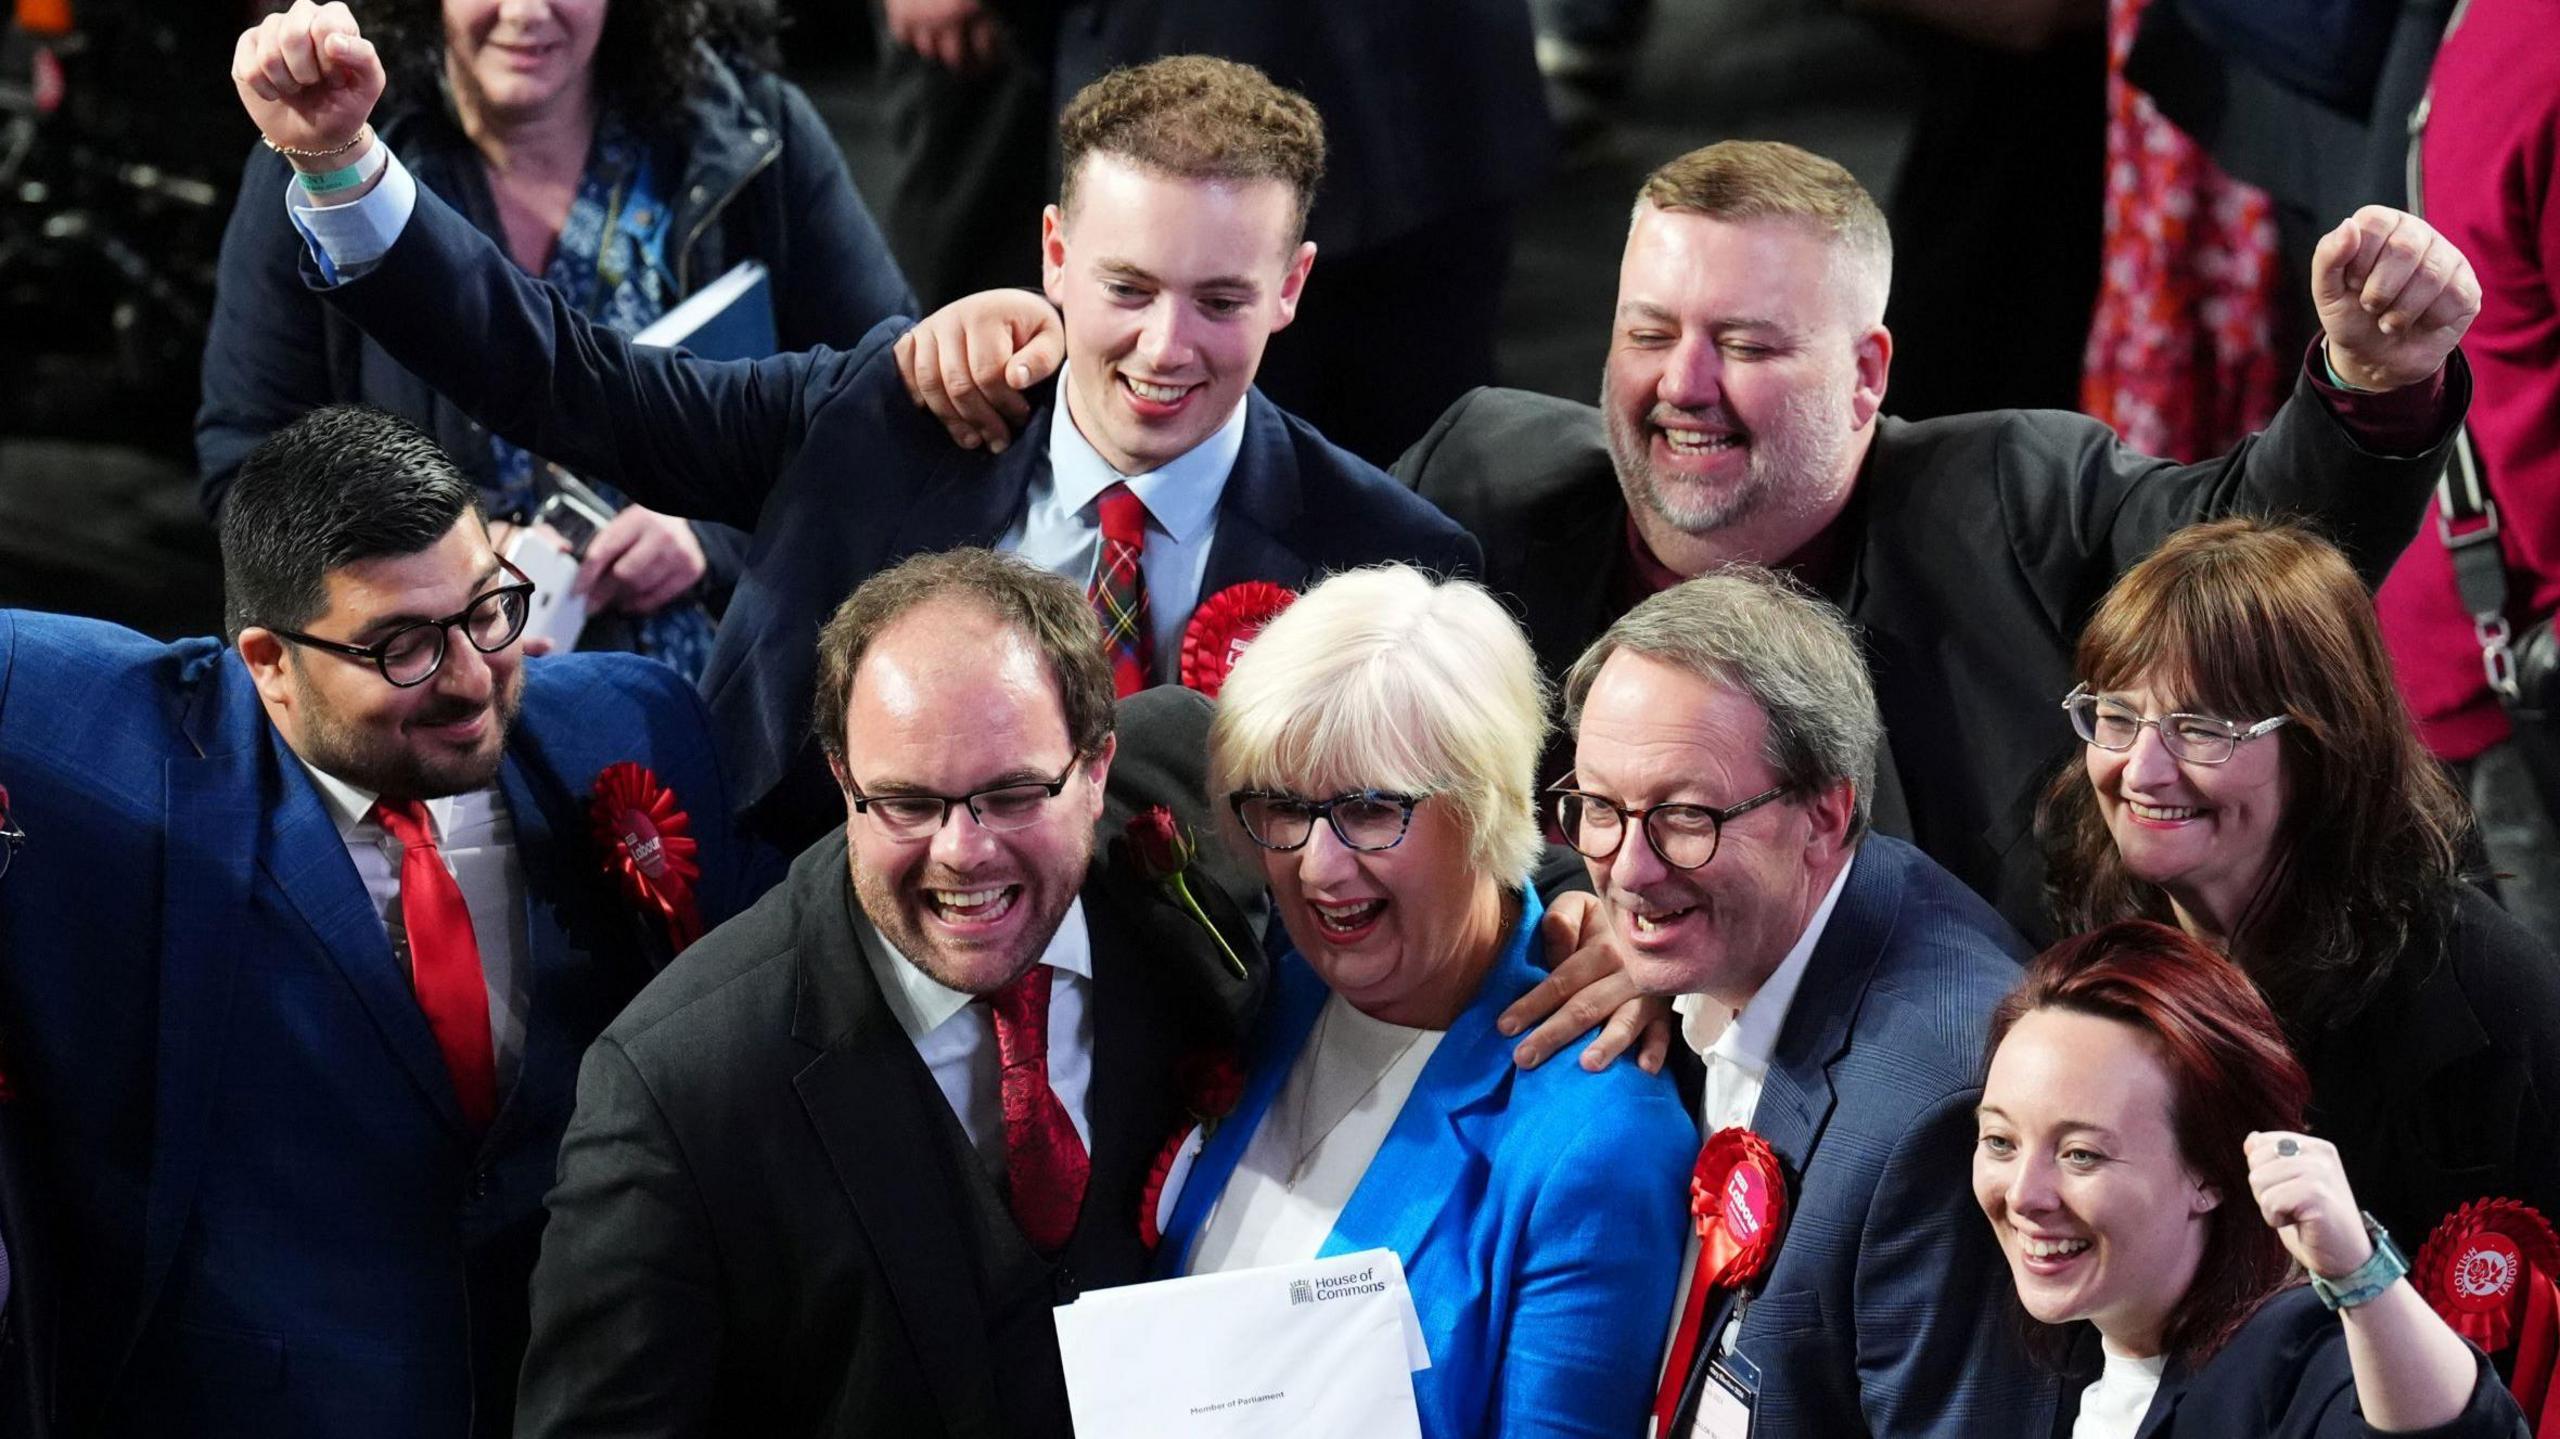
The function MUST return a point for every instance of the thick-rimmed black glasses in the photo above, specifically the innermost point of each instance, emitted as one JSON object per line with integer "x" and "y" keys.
{"x": 1001, "y": 808}
{"x": 1684, "y": 835}
{"x": 2111, "y": 724}
{"x": 410, "y": 655}
{"x": 1363, "y": 819}
{"x": 11, "y": 837}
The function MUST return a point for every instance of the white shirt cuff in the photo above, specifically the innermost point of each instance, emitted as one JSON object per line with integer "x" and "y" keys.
{"x": 347, "y": 240}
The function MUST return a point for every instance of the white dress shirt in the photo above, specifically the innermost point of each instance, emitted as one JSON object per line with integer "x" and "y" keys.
{"x": 351, "y": 237}
{"x": 477, "y": 838}
{"x": 1061, "y": 529}
{"x": 1360, "y": 1068}
{"x": 1737, "y": 1058}
{"x": 957, "y": 1039}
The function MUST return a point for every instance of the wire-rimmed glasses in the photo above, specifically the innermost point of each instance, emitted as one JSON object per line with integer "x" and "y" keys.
{"x": 2111, "y": 724}
{"x": 1001, "y": 808}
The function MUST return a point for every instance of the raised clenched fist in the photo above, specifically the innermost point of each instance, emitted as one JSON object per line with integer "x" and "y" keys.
{"x": 309, "y": 79}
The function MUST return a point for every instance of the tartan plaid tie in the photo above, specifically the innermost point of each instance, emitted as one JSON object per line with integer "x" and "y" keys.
{"x": 1119, "y": 591}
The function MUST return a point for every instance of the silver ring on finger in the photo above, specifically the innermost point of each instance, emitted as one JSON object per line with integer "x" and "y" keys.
{"x": 2287, "y": 1148}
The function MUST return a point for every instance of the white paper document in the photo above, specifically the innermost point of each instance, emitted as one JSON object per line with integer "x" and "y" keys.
{"x": 1325, "y": 1347}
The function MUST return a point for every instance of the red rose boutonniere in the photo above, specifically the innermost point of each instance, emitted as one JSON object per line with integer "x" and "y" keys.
{"x": 649, "y": 847}
{"x": 1163, "y": 854}
{"x": 1212, "y": 1081}
{"x": 1222, "y": 625}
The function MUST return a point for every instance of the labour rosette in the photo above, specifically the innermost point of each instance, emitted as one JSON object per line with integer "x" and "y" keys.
{"x": 649, "y": 848}
{"x": 1212, "y": 1081}
{"x": 1223, "y": 625}
{"x": 1738, "y": 1200}
{"x": 2479, "y": 1268}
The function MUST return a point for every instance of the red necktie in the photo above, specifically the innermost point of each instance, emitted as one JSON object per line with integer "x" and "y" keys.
{"x": 1119, "y": 591}
{"x": 1044, "y": 1162}
{"x": 444, "y": 960}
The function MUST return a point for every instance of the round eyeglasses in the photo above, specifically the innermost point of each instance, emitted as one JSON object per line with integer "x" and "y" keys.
{"x": 1684, "y": 835}
{"x": 1363, "y": 819}
{"x": 410, "y": 655}
{"x": 2111, "y": 724}
{"x": 1002, "y": 808}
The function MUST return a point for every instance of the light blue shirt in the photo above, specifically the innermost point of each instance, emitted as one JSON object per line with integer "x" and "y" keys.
{"x": 349, "y": 239}
{"x": 1061, "y": 531}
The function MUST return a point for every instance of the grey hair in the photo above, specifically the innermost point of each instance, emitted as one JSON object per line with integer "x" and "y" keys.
{"x": 1790, "y": 651}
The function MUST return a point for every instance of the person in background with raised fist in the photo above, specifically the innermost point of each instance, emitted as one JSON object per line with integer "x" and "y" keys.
{"x": 629, "y": 155}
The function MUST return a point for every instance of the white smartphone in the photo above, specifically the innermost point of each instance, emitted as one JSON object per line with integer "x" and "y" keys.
{"x": 557, "y": 614}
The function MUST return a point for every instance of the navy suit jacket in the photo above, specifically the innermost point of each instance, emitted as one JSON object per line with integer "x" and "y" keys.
{"x": 822, "y": 455}
{"x": 271, "y": 1217}
{"x": 1884, "y": 1311}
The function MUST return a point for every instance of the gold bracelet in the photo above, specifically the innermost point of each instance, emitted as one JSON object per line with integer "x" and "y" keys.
{"x": 291, "y": 153}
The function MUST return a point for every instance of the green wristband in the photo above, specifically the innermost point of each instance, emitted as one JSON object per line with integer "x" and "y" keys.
{"x": 334, "y": 180}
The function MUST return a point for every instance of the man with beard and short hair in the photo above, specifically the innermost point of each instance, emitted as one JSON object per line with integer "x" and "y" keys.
{"x": 1741, "y": 421}
{"x": 306, "y": 938}
{"x": 830, "y": 1173}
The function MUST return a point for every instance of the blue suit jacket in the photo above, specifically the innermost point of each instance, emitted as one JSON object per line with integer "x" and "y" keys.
{"x": 1884, "y": 1312}
{"x": 272, "y": 1218}
{"x": 1539, "y": 1213}
{"x": 821, "y": 454}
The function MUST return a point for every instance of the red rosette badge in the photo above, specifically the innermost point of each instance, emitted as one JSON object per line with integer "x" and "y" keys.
{"x": 2480, "y": 1268}
{"x": 1738, "y": 1197}
{"x": 649, "y": 847}
{"x": 1223, "y": 625}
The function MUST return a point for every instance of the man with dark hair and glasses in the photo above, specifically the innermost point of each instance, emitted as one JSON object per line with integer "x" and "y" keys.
{"x": 1834, "y": 987}
{"x": 315, "y": 928}
{"x": 832, "y": 1171}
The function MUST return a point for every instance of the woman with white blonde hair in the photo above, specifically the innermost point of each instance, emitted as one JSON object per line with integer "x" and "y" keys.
{"x": 1376, "y": 747}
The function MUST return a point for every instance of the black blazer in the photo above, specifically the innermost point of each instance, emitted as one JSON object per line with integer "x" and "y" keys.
{"x": 2445, "y": 1088}
{"x": 821, "y": 454}
{"x": 769, "y": 1222}
{"x": 1977, "y": 544}
{"x": 2285, "y": 1375}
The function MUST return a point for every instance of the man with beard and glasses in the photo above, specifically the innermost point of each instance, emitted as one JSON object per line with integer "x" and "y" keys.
{"x": 305, "y": 940}
{"x": 1741, "y": 420}
{"x": 831, "y": 1172}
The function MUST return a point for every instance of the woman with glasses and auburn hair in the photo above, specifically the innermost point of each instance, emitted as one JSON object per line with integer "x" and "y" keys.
{"x": 2251, "y": 776}
{"x": 1377, "y": 746}
{"x": 630, "y": 152}
{"x": 2140, "y": 1155}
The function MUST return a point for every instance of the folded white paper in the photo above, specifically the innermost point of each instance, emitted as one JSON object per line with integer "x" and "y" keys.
{"x": 1325, "y": 1347}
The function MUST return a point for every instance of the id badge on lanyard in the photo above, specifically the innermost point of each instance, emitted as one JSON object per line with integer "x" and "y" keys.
{"x": 1727, "y": 1399}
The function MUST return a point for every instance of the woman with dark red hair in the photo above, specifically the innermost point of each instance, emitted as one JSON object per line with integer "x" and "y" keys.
{"x": 2140, "y": 1157}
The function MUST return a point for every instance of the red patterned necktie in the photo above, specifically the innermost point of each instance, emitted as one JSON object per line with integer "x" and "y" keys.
{"x": 1119, "y": 591}
{"x": 444, "y": 960}
{"x": 1044, "y": 1162}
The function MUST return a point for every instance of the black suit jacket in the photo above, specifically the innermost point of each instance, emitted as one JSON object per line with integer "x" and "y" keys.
{"x": 2445, "y": 1088}
{"x": 821, "y": 454}
{"x": 1977, "y": 545}
{"x": 2285, "y": 1375}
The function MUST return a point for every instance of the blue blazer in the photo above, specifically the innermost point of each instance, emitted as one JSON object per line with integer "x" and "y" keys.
{"x": 1540, "y": 1214}
{"x": 1884, "y": 1312}
{"x": 271, "y": 1218}
{"x": 821, "y": 454}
